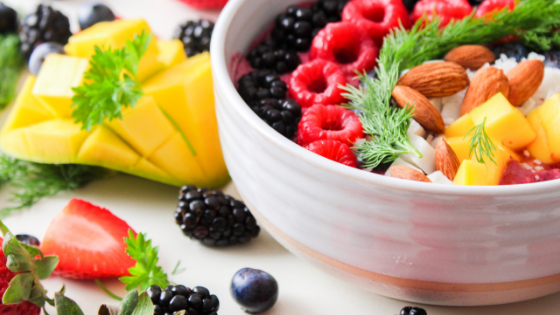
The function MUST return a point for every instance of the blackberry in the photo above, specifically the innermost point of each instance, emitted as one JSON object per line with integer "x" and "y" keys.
{"x": 413, "y": 311}
{"x": 44, "y": 25}
{"x": 261, "y": 85}
{"x": 196, "y": 36}
{"x": 269, "y": 56}
{"x": 476, "y": 2}
{"x": 8, "y": 20}
{"x": 175, "y": 298}
{"x": 515, "y": 50}
{"x": 552, "y": 58}
{"x": 282, "y": 115}
{"x": 331, "y": 10}
{"x": 213, "y": 218}
{"x": 410, "y": 4}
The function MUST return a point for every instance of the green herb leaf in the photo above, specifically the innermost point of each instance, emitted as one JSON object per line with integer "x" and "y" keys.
{"x": 130, "y": 302}
{"x": 145, "y": 305}
{"x": 66, "y": 306}
{"x": 11, "y": 62}
{"x": 113, "y": 74}
{"x": 19, "y": 289}
{"x": 481, "y": 144}
{"x": 146, "y": 272}
{"x": 45, "y": 266}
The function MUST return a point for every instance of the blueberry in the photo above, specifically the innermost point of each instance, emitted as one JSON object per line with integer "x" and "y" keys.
{"x": 40, "y": 54}
{"x": 409, "y": 310}
{"x": 92, "y": 13}
{"x": 255, "y": 290}
{"x": 28, "y": 239}
{"x": 552, "y": 58}
{"x": 515, "y": 50}
{"x": 8, "y": 20}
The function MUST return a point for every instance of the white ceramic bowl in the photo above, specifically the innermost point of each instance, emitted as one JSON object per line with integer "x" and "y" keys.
{"x": 427, "y": 243}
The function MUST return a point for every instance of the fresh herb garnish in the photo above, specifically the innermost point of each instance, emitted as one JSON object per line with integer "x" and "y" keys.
{"x": 11, "y": 62}
{"x": 146, "y": 272}
{"x": 405, "y": 49}
{"x": 481, "y": 144}
{"x": 114, "y": 83}
{"x": 33, "y": 181}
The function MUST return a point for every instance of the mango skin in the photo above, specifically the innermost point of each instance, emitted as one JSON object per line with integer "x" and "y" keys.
{"x": 549, "y": 113}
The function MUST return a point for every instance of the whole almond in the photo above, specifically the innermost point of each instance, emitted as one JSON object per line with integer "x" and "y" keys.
{"x": 424, "y": 112}
{"x": 524, "y": 81}
{"x": 438, "y": 79}
{"x": 486, "y": 83}
{"x": 470, "y": 56}
{"x": 447, "y": 161}
{"x": 405, "y": 172}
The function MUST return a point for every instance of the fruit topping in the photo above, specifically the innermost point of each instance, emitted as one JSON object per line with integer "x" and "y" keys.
{"x": 176, "y": 298}
{"x": 28, "y": 240}
{"x": 261, "y": 85}
{"x": 438, "y": 79}
{"x": 92, "y": 13}
{"x": 44, "y": 25}
{"x": 347, "y": 45}
{"x": 333, "y": 150}
{"x": 269, "y": 56}
{"x": 206, "y": 4}
{"x": 213, "y": 218}
{"x": 552, "y": 58}
{"x": 40, "y": 53}
{"x": 256, "y": 291}
{"x": 410, "y": 4}
{"x": 330, "y": 122}
{"x": 490, "y": 7}
{"x": 470, "y": 56}
{"x": 8, "y": 19}
{"x": 89, "y": 241}
{"x": 294, "y": 28}
{"x": 282, "y": 115}
{"x": 446, "y": 10}
{"x": 196, "y": 36}
{"x": 317, "y": 82}
{"x": 524, "y": 80}
{"x": 327, "y": 11}
{"x": 424, "y": 112}
{"x": 408, "y": 173}
{"x": 377, "y": 17}
{"x": 409, "y": 310}
{"x": 511, "y": 50}
{"x": 475, "y": 3}
{"x": 486, "y": 83}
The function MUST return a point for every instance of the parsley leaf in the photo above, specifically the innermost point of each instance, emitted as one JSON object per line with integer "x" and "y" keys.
{"x": 146, "y": 272}
{"x": 110, "y": 84}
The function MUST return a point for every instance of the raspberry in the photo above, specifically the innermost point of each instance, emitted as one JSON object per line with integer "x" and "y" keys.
{"x": 317, "y": 82}
{"x": 447, "y": 10}
{"x": 205, "y": 4}
{"x": 334, "y": 150}
{"x": 347, "y": 45}
{"x": 322, "y": 122}
{"x": 490, "y": 7}
{"x": 376, "y": 17}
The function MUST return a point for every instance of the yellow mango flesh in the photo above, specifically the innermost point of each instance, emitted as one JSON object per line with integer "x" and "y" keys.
{"x": 550, "y": 115}
{"x": 53, "y": 87}
{"x": 171, "y": 52}
{"x": 539, "y": 148}
{"x": 103, "y": 143}
{"x": 461, "y": 146}
{"x": 473, "y": 173}
{"x": 460, "y": 127}
{"x": 114, "y": 35}
{"x": 504, "y": 122}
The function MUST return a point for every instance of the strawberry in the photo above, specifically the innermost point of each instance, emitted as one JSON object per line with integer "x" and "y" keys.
{"x": 89, "y": 241}
{"x": 330, "y": 123}
{"x": 446, "y": 10}
{"x": 377, "y": 17}
{"x": 490, "y": 7}
{"x": 347, "y": 45}
{"x": 205, "y": 4}
{"x": 334, "y": 150}
{"x": 317, "y": 82}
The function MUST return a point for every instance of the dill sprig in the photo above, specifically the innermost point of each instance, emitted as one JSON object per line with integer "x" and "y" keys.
{"x": 405, "y": 49}
{"x": 11, "y": 62}
{"x": 114, "y": 83}
{"x": 30, "y": 182}
{"x": 481, "y": 144}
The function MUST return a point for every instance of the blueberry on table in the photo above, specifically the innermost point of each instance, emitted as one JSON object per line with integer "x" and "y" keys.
{"x": 92, "y": 13}
{"x": 28, "y": 239}
{"x": 40, "y": 54}
{"x": 409, "y": 310}
{"x": 254, "y": 290}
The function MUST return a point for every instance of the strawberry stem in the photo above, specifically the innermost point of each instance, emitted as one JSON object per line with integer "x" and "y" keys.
{"x": 107, "y": 291}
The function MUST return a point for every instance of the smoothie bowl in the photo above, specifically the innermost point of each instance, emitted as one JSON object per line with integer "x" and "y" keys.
{"x": 439, "y": 229}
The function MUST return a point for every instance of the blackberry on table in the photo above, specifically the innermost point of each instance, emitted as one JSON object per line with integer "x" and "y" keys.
{"x": 213, "y": 218}
{"x": 8, "y": 19}
{"x": 196, "y": 36}
{"x": 175, "y": 298}
{"x": 261, "y": 85}
{"x": 515, "y": 50}
{"x": 44, "y": 25}
{"x": 409, "y": 310}
{"x": 269, "y": 56}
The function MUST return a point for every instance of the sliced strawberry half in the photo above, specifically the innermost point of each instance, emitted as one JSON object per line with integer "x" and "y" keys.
{"x": 205, "y": 4}
{"x": 329, "y": 123}
{"x": 446, "y": 10}
{"x": 334, "y": 150}
{"x": 490, "y": 7}
{"x": 317, "y": 82}
{"x": 89, "y": 242}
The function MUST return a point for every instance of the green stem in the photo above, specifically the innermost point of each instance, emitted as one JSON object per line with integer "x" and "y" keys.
{"x": 109, "y": 293}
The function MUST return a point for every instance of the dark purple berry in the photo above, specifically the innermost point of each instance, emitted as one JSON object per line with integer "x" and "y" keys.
{"x": 254, "y": 290}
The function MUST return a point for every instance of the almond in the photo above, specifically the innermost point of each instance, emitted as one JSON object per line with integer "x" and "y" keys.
{"x": 470, "y": 56}
{"x": 447, "y": 161}
{"x": 486, "y": 83}
{"x": 404, "y": 172}
{"x": 524, "y": 81}
{"x": 438, "y": 79}
{"x": 424, "y": 112}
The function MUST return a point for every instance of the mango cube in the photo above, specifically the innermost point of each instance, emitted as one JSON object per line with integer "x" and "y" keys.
{"x": 53, "y": 87}
{"x": 539, "y": 148}
{"x": 103, "y": 146}
{"x": 473, "y": 173}
{"x": 550, "y": 115}
{"x": 460, "y": 127}
{"x": 171, "y": 52}
{"x": 461, "y": 147}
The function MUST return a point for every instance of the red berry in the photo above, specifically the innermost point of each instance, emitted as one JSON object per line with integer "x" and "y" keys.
{"x": 6, "y": 275}
{"x": 447, "y": 10}
{"x": 89, "y": 242}
{"x": 490, "y": 7}
{"x": 205, "y": 4}
{"x": 376, "y": 17}
{"x": 333, "y": 150}
{"x": 317, "y": 82}
{"x": 329, "y": 122}
{"x": 347, "y": 45}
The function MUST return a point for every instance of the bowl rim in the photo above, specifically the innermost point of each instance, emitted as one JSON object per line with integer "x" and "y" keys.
{"x": 226, "y": 86}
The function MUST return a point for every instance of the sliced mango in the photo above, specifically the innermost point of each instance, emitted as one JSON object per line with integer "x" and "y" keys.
{"x": 149, "y": 170}
{"x": 539, "y": 148}
{"x": 460, "y": 127}
{"x": 550, "y": 116}
{"x": 104, "y": 147}
{"x": 473, "y": 173}
{"x": 461, "y": 147}
{"x": 171, "y": 52}
{"x": 53, "y": 87}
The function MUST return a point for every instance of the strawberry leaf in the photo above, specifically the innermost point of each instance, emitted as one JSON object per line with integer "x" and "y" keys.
{"x": 145, "y": 305}
{"x": 66, "y": 306}
{"x": 109, "y": 310}
{"x": 129, "y": 303}
{"x": 45, "y": 266}
{"x": 19, "y": 289}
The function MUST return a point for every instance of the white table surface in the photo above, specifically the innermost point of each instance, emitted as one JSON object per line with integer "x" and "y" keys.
{"x": 149, "y": 206}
